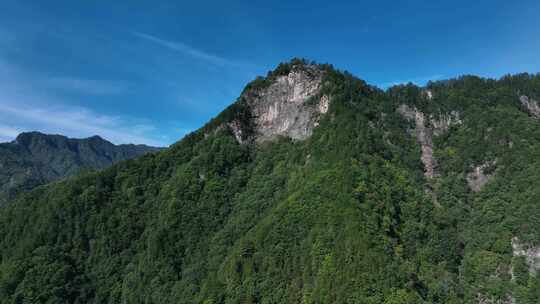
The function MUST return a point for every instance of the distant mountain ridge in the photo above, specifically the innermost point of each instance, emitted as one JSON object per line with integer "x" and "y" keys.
{"x": 34, "y": 159}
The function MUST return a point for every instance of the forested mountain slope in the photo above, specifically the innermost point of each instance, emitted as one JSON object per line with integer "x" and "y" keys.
{"x": 313, "y": 187}
{"x": 35, "y": 159}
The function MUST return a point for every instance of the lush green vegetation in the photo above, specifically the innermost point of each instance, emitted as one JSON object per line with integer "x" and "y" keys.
{"x": 342, "y": 217}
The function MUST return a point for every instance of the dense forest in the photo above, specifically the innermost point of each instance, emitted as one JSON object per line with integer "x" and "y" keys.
{"x": 347, "y": 215}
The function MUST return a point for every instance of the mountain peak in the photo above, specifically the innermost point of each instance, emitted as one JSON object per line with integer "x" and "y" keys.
{"x": 97, "y": 138}
{"x": 35, "y": 158}
{"x": 296, "y": 65}
{"x": 288, "y": 102}
{"x": 35, "y": 137}
{"x": 26, "y": 135}
{"x": 26, "y": 138}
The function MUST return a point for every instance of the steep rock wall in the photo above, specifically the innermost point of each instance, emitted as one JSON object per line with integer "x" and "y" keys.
{"x": 290, "y": 106}
{"x": 478, "y": 178}
{"x": 532, "y": 106}
{"x": 427, "y": 126}
{"x": 531, "y": 254}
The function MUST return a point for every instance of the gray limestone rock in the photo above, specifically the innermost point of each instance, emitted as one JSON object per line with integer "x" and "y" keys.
{"x": 532, "y": 106}
{"x": 531, "y": 254}
{"x": 290, "y": 106}
{"x": 425, "y": 128}
{"x": 478, "y": 178}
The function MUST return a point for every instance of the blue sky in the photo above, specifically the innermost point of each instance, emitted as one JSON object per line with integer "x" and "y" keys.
{"x": 151, "y": 71}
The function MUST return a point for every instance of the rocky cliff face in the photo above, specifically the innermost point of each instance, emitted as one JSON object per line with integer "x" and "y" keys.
{"x": 34, "y": 159}
{"x": 427, "y": 126}
{"x": 478, "y": 177}
{"x": 290, "y": 106}
{"x": 531, "y": 254}
{"x": 530, "y": 105}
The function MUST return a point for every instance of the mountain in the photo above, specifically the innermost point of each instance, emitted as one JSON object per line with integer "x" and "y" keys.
{"x": 312, "y": 187}
{"x": 34, "y": 159}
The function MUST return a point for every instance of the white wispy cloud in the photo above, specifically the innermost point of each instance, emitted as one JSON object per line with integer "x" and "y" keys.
{"x": 416, "y": 80}
{"x": 14, "y": 77}
{"x": 189, "y": 50}
{"x": 86, "y": 86}
{"x": 74, "y": 122}
{"x": 7, "y": 133}
{"x": 23, "y": 108}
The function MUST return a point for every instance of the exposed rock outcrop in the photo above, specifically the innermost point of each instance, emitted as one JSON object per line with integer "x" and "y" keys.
{"x": 236, "y": 128}
{"x": 290, "y": 106}
{"x": 531, "y": 254}
{"x": 424, "y": 137}
{"x": 429, "y": 94}
{"x": 483, "y": 299}
{"x": 425, "y": 128}
{"x": 478, "y": 178}
{"x": 532, "y": 106}
{"x": 443, "y": 123}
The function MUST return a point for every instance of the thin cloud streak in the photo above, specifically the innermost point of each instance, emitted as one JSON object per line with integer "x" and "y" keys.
{"x": 87, "y": 86}
{"x": 189, "y": 50}
{"x": 8, "y": 133}
{"x": 77, "y": 122}
{"x": 23, "y": 108}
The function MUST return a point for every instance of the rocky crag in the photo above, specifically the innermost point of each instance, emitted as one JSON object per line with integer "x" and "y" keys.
{"x": 288, "y": 105}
